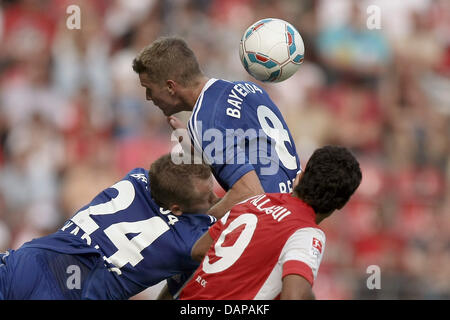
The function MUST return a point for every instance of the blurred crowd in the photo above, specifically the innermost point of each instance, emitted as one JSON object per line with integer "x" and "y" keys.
{"x": 73, "y": 118}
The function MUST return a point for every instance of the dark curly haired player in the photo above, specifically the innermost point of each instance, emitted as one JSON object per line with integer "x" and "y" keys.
{"x": 270, "y": 246}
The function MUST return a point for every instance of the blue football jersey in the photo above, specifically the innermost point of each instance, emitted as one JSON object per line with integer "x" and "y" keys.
{"x": 238, "y": 128}
{"x": 140, "y": 243}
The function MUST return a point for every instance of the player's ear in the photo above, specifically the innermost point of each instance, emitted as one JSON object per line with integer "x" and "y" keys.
{"x": 171, "y": 86}
{"x": 176, "y": 209}
{"x": 297, "y": 179}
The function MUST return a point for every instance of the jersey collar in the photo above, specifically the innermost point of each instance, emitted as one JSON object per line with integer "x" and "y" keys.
{"x": 205, "y": 87}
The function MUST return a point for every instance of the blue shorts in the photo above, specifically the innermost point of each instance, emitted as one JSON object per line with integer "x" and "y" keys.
{"x": 41, "y": 274}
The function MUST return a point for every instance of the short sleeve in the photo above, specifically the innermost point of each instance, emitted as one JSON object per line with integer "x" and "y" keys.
{"x": 303, "y": 252}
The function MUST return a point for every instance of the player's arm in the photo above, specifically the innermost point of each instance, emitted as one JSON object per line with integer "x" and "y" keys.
{"x": 180, "y": 132}
{"x": 247, "y": 186}
{"x": 300, "y": 258}
{"x": 201, "y": 247}
{"x": 295, "y": 287}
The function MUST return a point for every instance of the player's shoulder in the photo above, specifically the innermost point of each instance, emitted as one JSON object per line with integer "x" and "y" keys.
{"x": 214, "y": 89}
{"x": 222, "y": 102}
{"x": 241, "y": 90}
{"x": 299, "y": 210}
{"x": 248, "y": 86}
{"x": 286, "y": 199}
{"x": 137, "y": 171}
{"x": 210, "y": 97}
{"x": 219, "y": 91}
{"x": 139, "y": 178}
{"x": 139, "y": 175}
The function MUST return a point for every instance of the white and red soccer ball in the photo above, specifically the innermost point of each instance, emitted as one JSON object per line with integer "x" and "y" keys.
{"x": 271, "y": 50}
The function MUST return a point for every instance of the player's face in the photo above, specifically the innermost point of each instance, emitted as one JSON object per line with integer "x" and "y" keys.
{"x": 203, "y": 196}
{"x": 160, "y": 95}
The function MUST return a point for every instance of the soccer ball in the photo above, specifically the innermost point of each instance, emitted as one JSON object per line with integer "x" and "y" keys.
{"x": 271, "y": 50}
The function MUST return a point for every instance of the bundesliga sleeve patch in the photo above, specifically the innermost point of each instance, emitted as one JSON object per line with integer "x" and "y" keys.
{"x": 316, "y": 247}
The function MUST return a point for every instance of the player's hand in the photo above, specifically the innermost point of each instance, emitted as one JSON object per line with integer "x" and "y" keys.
{"x": 180, "y": 133}
{"x": 175, "y": 123}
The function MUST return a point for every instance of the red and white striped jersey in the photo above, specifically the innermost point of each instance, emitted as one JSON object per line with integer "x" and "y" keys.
{"x": 256, "y": 244}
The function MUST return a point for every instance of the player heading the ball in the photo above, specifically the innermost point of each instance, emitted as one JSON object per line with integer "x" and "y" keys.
{"x": 235, "y": 126}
